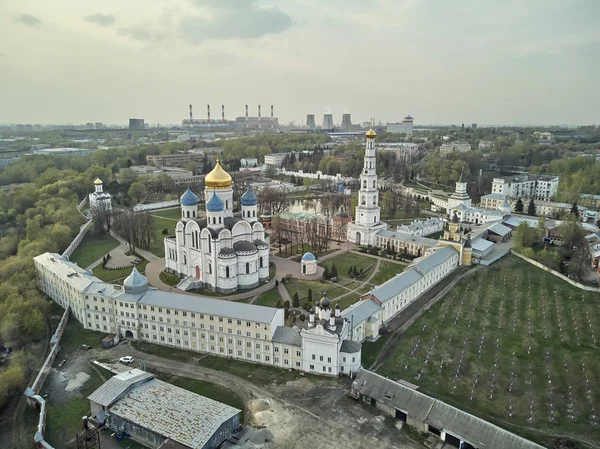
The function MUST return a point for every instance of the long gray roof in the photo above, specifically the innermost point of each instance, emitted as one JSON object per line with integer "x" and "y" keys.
{"x": 395, "y": 285}
{"x": 428, "y": 263}
{"x": 117, "y": 386}
{"x": 360, "y": 311}
{"x": 209, "y": 306}
{"x": 287, "y": 335}
{"x": 409, "y": 238}
{"x": 475, "y": 431}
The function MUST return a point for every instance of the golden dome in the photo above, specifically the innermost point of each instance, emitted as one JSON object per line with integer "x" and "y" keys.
{"x": 97, "y": 181}
{"x": 218, "y": 177}
{"x": 371, "y": 134}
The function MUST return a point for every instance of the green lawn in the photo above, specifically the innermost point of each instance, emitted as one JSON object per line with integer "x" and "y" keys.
{"x": 207, "y": 389}
{"x": 387, "y": 270}
{"x": 169, "y": 279}
{"x": 92, "y": 248}
{"x": 318, "y": 288}
{"x": 174, "y": 214}
{"x": 348, "y": 259}
{"x": 347, "y": 300}
{"x": 117, "y": 275}
{"x": 514, "y": 344}
{"x": 157, "y": 246}
{"x": 370, "y": 351}
{"x": 269, "y": 298}
{"x": 75, "y": 335}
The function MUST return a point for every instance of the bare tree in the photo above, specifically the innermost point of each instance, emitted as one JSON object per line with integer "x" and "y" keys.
{"x": 137, "y": 228}
{"x": 275, "y": 200}
{"x": 102, "y": 216}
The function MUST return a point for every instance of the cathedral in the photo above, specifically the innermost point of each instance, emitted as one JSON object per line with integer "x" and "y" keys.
{"x": 363, "y": 230}
{"x": 220, "y": 252}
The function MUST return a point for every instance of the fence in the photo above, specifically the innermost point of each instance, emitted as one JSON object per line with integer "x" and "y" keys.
{"x": 32, "y": 393}
{"x": 77, "y": 240}
{"x": 153, "y": 206}
{"x": 556, "y": 273}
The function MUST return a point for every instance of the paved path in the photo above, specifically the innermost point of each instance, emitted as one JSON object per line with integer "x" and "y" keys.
{"x": 145, "y": 254}
{"x": 365, "y": 282}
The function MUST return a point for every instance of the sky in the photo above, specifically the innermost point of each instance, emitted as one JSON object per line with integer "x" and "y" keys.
{"x": 443, "y": 62}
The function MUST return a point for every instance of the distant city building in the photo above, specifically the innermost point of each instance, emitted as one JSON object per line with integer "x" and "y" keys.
{"x": 64, "y": 151}
{"x": 542, "y": 135}
{"x": 249, "y": 162}
{"x": 485, "y": 144}
{"x": 179, "y": 177}
{"x": 136, "y": 124}
{"x": 542, "y": 187}
{"x": 401, "y": 150}
{"x": 315, "y": 225}
{"x": 89, "y": 125}
{"x": 276, "y": 159}
{"x": 406, "y": 127}
{"x": 474, "y": 126}
{"x": 455, "y": 147}
{"x": 99, "y": 125}
{"x": 173, "y": 160}
{"x": 99, "y": 200}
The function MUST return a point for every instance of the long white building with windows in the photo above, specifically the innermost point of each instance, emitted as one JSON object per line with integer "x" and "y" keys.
{"x": 241, "y": 331}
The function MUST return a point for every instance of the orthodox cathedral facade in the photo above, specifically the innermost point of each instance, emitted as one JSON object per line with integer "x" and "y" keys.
{"x": 220, "y": 252}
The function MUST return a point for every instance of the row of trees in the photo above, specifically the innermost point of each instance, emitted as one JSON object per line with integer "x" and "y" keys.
{"x": 137, "y": 228}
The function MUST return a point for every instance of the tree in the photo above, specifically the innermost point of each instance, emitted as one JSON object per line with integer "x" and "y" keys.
{"x": 326, "y": 272}
{"x": 286, "y": 304}
{"x": 295, "y": 300}
{"x": 138, "y": 191}
{"x": 531, "y": 207}
{"x": 310, "y": 295}
{"x": 519, "y": 206}
{"x": 525, "y": 236}
{"x": 334, "y": 271}
{"x": 575, "y": 209}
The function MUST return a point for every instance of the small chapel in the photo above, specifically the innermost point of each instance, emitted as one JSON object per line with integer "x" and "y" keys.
{"x": 219, "y": 252}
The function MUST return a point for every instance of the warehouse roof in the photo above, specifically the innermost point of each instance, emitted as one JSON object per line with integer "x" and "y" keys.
{"x": 118, "y": 385}
{"x": 396, "y": 285}
{"x": 500, "y": 229}
{"x": 469, "y": 428}
{"x": 67, "y": 271}
{"x": 175, "y": 413}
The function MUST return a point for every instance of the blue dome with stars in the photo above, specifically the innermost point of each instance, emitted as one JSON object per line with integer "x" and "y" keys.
{"x": 189, "y": 198}
{"x": 249, "y": 198}
{"x": 215, "y": 204}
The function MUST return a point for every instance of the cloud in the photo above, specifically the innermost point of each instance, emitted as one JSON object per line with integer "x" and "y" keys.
{"x": 103, "y": 20}
{"x": 141, "y": 34}
{"x": 28, "y": 19}
{"x": 231, "y": 19}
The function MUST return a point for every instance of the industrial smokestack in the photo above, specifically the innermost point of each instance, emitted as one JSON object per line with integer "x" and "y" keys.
{"x": 208, "y": 112}
{"x": 346, "y": 122}
{"x": 272, "y": 111}
{"x": 246, "y": 112}
{"x": 191, "y": 117}
{"x": 223, "y": 113}
{"x": 327, "y": 121}
{"x": 310, "y": 121}
{"x": 259, "y": 116}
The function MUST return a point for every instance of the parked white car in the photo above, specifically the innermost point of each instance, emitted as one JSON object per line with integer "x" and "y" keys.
{"x": 126, "y": 359}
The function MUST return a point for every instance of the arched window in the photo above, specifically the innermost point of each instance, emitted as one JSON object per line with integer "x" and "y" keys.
{"x": 226, "y": 272}
{"x": 244, "y": 213}
{"x": 219, "y": 220}
{"x": 247, "y": 268}
{"x": 374, "y": 184}
{"x": 254, "y": 213}
{"x": 184, "y": 259}
{"x": 188, "y": 214}
{"x": 226, "y": 204}
{"x": 209, "y": 266}
{"x": 261, "y": 262}
{"x": 364, "y": 184}
{"x": 363, "y": 201}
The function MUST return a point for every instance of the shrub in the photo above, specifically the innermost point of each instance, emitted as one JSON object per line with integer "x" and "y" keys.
{"x": 295, "y": 300}
{"x": 302, "y": 317}
{"x": 276, "y": 283}
{"x": 286, "y": 304}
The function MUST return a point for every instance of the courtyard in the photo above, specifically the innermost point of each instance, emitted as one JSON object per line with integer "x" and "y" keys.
{"x": 514, "y": 345}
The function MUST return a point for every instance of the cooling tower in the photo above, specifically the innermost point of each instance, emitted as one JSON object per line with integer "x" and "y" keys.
{"x": 346, "y": 122}
{"x": 310, "y": 121}
{"x": 327, "y": 122}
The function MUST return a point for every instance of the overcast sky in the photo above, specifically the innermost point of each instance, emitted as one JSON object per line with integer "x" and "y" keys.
{"x": 484, "y": 61}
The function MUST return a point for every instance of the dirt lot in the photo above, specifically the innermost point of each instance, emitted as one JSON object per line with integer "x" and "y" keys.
{"x": 297, "y": 414}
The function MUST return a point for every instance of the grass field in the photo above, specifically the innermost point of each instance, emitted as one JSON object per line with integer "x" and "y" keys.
{"x": 169, "y": 279}
{"x": 269, "y": 298}
{"x": 92, "y": 248}
{"x": 387, "y": 270}
{"x": 347, "y": 300}
{"x": 318, "y": 288}
{"x": 174, "y": 214}
{"x": 157, "y": 246}
{"x": 346, "y": 260}
{"x": 512, "y": 344}
{"x": 117, "y": 275}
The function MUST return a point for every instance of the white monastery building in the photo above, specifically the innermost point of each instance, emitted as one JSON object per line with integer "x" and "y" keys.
{"x": 98, "y": 198}
{"x": 219, "y": 253}
{"x": 423, "y": 228}
{"x": 240, "y": 331}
